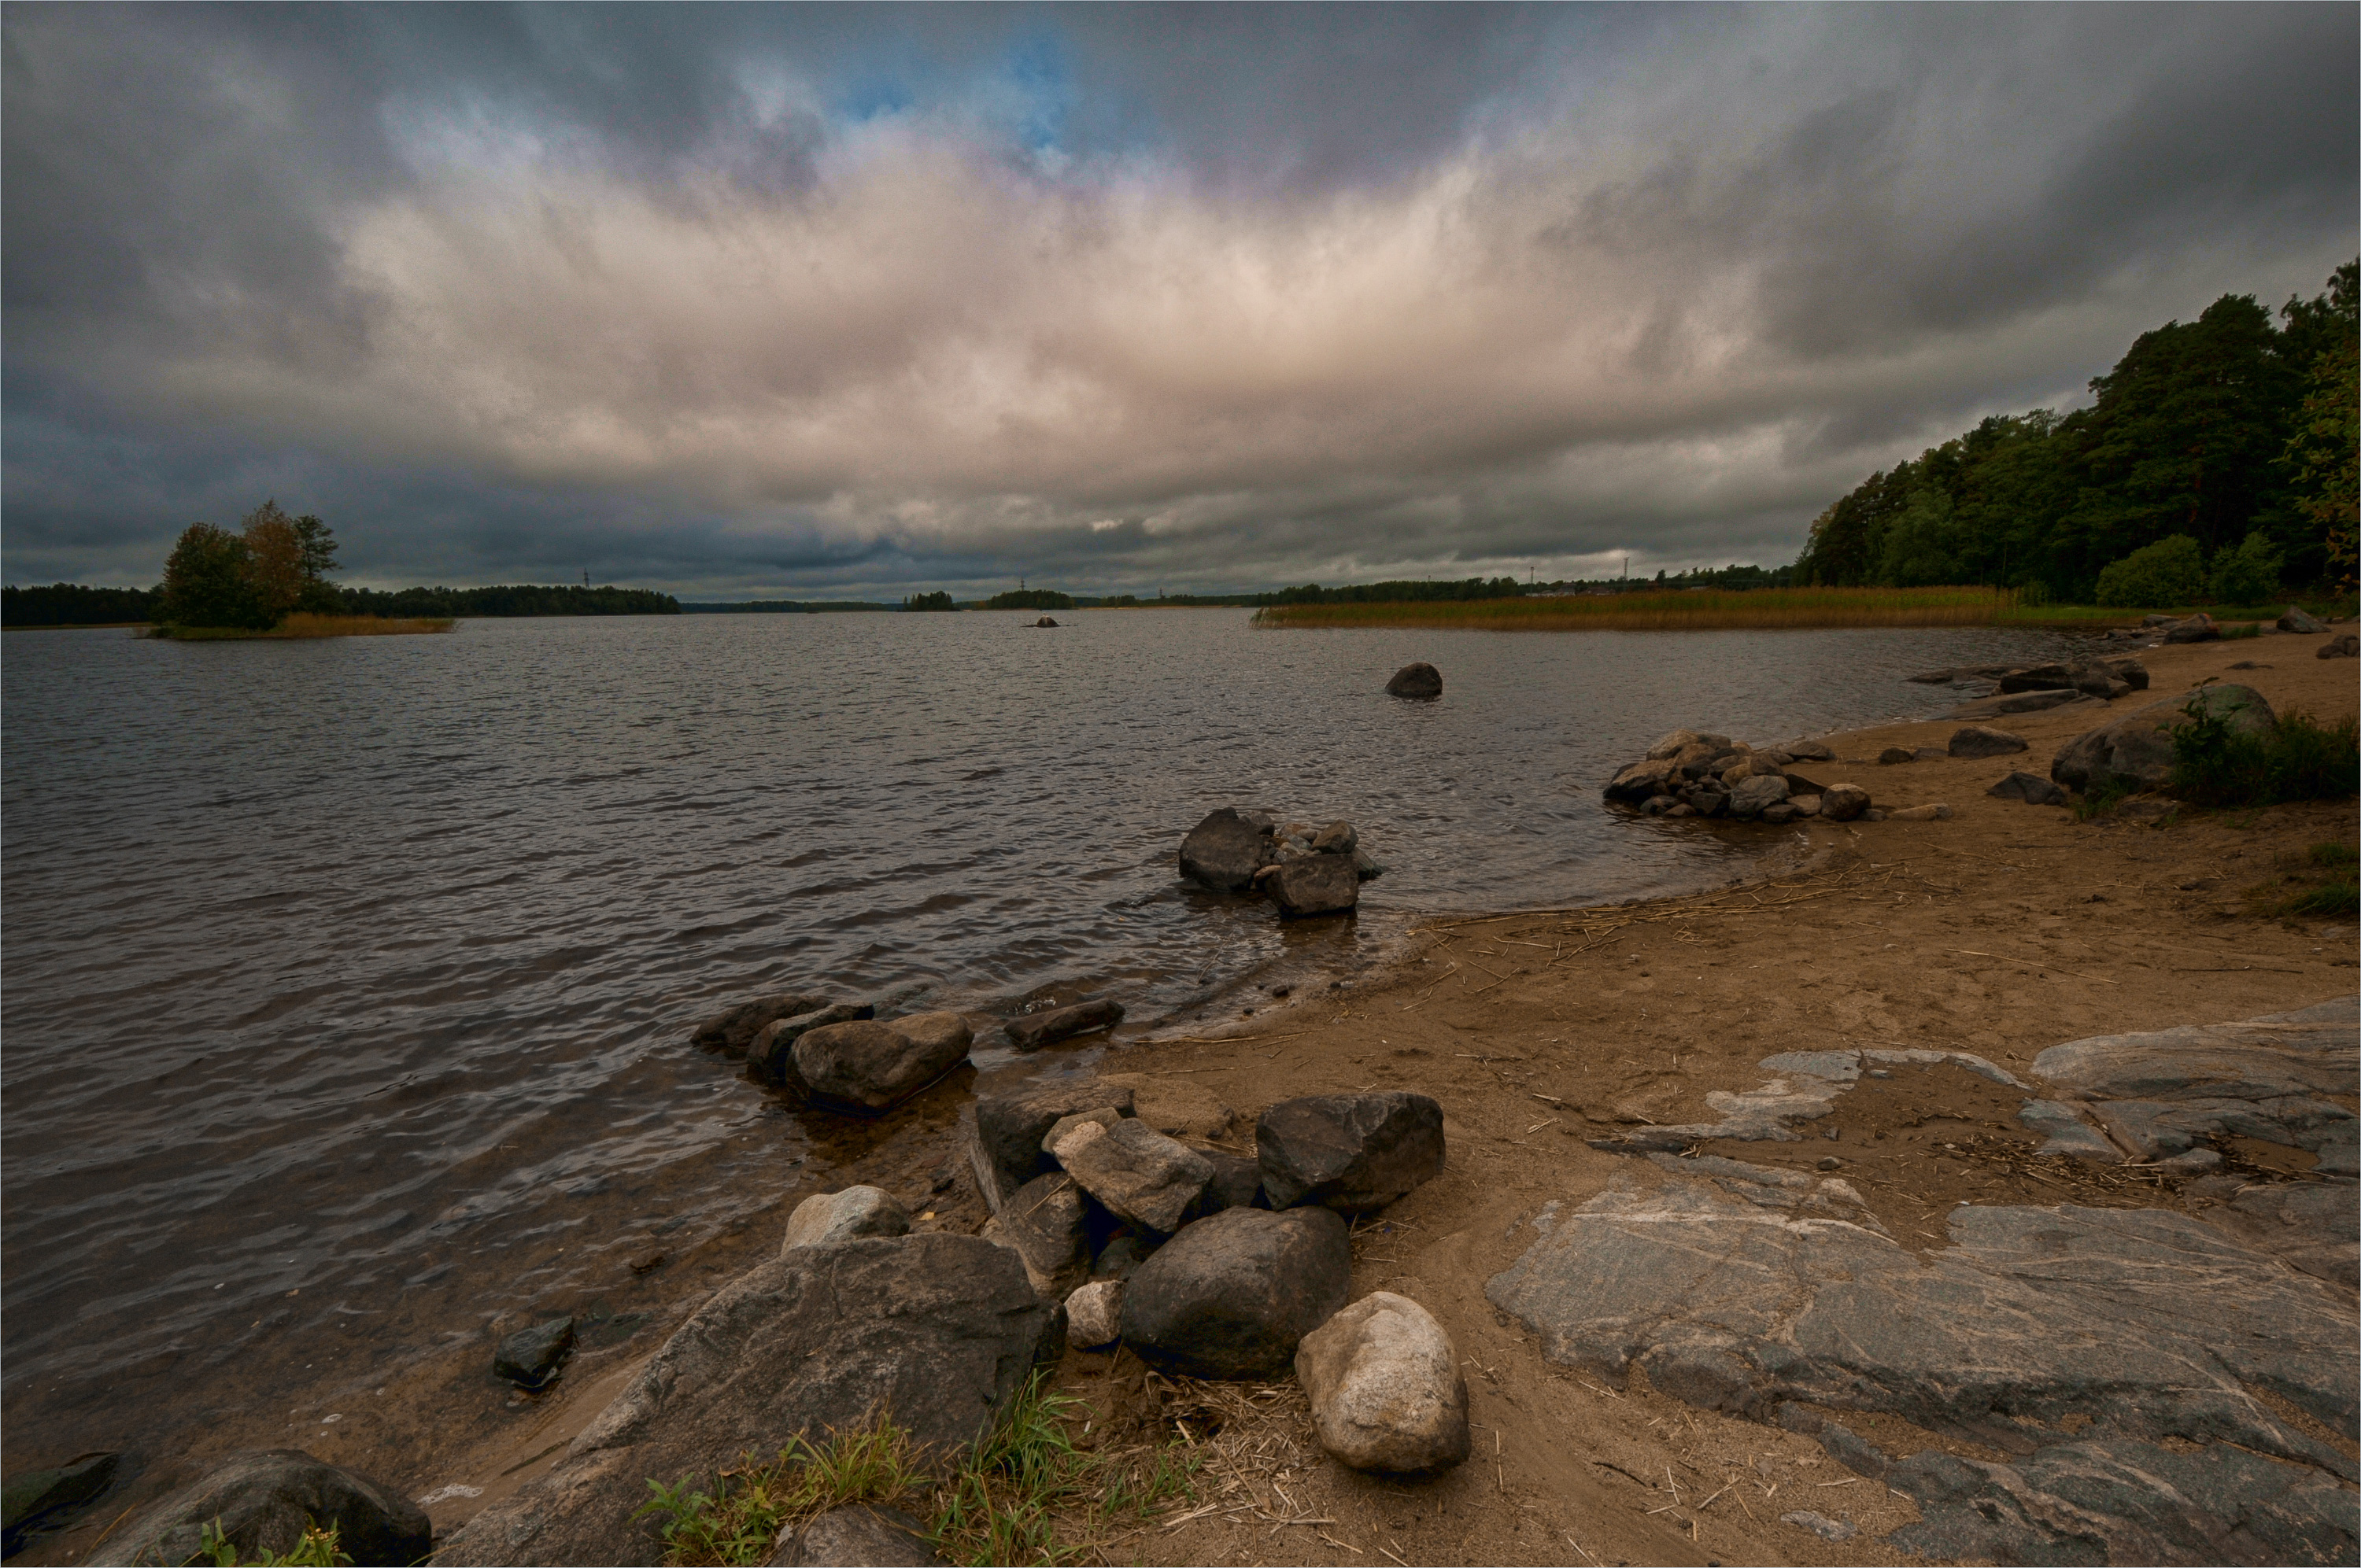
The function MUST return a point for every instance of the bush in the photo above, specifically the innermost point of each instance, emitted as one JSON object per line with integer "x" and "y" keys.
{"x": 2296, "y": 759}
{"x": 2249, "y": 575}
{"x": 2168, "y": 572}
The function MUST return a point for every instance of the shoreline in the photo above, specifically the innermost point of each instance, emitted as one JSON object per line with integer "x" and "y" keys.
{"x": 441, "y": 1423}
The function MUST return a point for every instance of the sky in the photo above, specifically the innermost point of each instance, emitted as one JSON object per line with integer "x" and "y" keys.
{"x": 843, "y": 302}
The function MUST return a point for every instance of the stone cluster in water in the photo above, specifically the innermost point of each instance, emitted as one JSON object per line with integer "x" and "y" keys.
{"x": 1690, "y": 773}
{"x": 1302, "y": 868}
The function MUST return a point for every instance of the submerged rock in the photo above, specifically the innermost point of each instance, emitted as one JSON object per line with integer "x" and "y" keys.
{"x": 264, "y": 1502}
{"x": 34, "y": 1496}
{"x": 732, "y": 1031}
{"x": 1031, "y": 1031}
{"x": 1231, "y": 1296}
{"x": 1348, "y": 1151}
{"x": 826, "y": 1217}
{"x": 1385, "y": 1387}
{"x": 1420, "y": 681}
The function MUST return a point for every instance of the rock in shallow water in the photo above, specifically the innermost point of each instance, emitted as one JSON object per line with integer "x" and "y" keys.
{"x": 1348, "y": 1151}
{"x": 265, "y": 1501}
{"x": 531, "y": 1358}
{"x": 826, "y": 1217}
{"x": 1232, "y": 1295}
{"x": 1031, "y": 1031}
{"x": 867, "y": 1069}
{"x": 1315, "y": 884}
{"x": 1385, "y": 1387}
{"x": 732, "y": 1031}
{"x": 1420, "y": 681}
{"x": 1224, "y": 851}
{"x": 34, "y": 1496}
{"x": 770, "y": 1057}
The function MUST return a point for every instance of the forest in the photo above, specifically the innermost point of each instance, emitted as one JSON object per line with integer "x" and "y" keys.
{"x": 2220, "y": 451}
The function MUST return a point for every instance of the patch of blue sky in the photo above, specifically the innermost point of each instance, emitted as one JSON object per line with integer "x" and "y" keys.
{"x": 1036, "y": 65}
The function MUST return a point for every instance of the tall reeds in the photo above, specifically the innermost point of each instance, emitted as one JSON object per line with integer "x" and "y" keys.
{"x": 1703, "y": 610}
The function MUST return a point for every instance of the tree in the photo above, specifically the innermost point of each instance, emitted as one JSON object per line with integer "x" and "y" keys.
{"x": 274, "y": 560}
{"x": 318, "y": 544}
{"x": 2321, "y": 452}
{"x": 2168, "y": 572}
{"x": 207, "y": 582}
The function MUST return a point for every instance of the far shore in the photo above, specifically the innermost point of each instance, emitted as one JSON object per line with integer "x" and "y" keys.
{"x": 308, "y": 626}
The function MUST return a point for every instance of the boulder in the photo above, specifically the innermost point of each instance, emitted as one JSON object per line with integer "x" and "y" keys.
{"x": 1003, "y": 1134}
{"x": 1236, "y": 1183}
{"x": 1977, "y": 741}
{"x": 1031, "y": 1031}
{"x": 2041, "y": 677}
{"x": 1704, "y": 801}
{"x": 858, "y": 1535}
{"x": 1804, "y": 805}
{"x": 2345, "y": 647}
{"x": 1780, "y": 813}
{"x": 1422, "y": 681}
{"x": 1352, "y": 1152}
{"x": 2127, "y": 669}
{"x": 1224, "y": 851}
{"x": 1046, "y": 620}
{"x": 826, "y": 1217}
{"x": 1122, "y": 1256}
{"x": 2135, "y": 750}
{"x": 2023, "y": 702}
{"x": 33, "y": 1497}
{"x": 1316, "y": 885}
{"x": 265, "y": 1501}
{"x": 939, "y": 1330}
{"x": 732, "y": 1031}
{"x": 1894, "y": 754}
{"x": 530, "y": 1358}
{"x": 1657, "y": 804}
{"x": 1139, "y": 1175}
{"x": 1046, "y": 1223}
{"x": 1336, "y": 839}
{"x": 1843, "y": 802}
{"x": 1104, "y": 1116}
{"x": 1233, "y": 1295}
{"x": 1366, "y": 865}
{"x": 2199, "y": 627}
{"x": 866, "y": 1069}
{"x": 1807, "y": 750}
{"x": 770, "y": 1057}
{"x": 1681, "y": 740}
{"x": 1094, "y": 1314}
{"x": 1755, "y": 796}
{"x": 2297, "y": 621}
{"x": 2031, "y": 788}
{"x": 1384, "y": 1383}
{"x": 1636, "y": 781}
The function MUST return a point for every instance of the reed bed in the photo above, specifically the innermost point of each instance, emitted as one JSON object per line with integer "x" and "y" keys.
{"x": 1708, "y": 610}
{"x": 306, "y": 625}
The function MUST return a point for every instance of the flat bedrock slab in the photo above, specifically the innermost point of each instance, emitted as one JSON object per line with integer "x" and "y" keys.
{"x": 1385, "y": 1387}
{"x": 1805, "y": 1089}
{"x": 1738, "y": 1288}
{"x": 1232, "y": 1295}
{"x": 938, "y": 1330}
{"x": 265, "y": 1501}
{"x": 843, "y": 1216}
{"x": 1351, "y": 1153}
{"x": 1032, "y": 1031}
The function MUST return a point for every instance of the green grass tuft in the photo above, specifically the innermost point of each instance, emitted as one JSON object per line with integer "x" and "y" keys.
{"x": 316, "y": 1548}
{"x": 2296, "y": 759}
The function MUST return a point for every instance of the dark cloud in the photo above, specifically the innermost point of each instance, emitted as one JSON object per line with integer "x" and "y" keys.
{"x": 748, "y": 298}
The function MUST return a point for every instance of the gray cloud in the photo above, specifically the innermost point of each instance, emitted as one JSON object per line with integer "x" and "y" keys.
{"x": 793, "y": 300}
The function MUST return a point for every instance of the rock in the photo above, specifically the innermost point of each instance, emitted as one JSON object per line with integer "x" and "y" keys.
{"x": 1843, "y": 802}
{"x": 1140, "y": 1176}
{"x": 1045, "y": 1222}
{"x": 1176, "y": 1107}
{"x": 1236, "y": 1183}
{"x": 1316, "y": 885}
{"x": 2067, "y": 1133}
{"x": 2031, "y": 788}
{"x": 1873, "y": 814}
{"x": 1807, "y": 750}
{"x": 1755, "y": 796}
{"x": 1094, "y": 1314}
{"x": 2297, "y": 621}
{"x": 1779, "y": 813}
{"x": 1032, "y": 1031}
{"x": 1003, "y": 1134}
{"x": 1683, "y": 810}
{"x": 265, "y": 1501}
{"x": 867, "y": 1069}
{"x": 35, "y": 1497}
{"x": 1367, "y": 864}
{"x": 941, "y": 1330}
{"x": 1930, "y": 753}
{"x": 1739, "y": 1288}
{"x": 1120, "y": 1257}
{"x": 731, "y": 1032}
{"x": 2345, "y": 647}
{"x": 1681, "y": 740}
{"x": 1638, "y": 781}
{"x": 1104, "y": 1116}
{"x": 2135, "y": 750}
{"x": 2023, "y": 702}
{"x": 1977, "y": 741}
{"x": 860, "y": 1536}
{"x": 1657, "y": 804}
{"x": 1352, "y": 1152}
{"x": 1894, "y": 754}
{"x": 770, "y": 1057}
{"x": 826, "y": 1217}
{"x": 1224, "y": 851}
{"x": 1336, "y": 839}
{"x": 2199, "y": 627}
{"x": 1748, "y": 765}
{"x": 1820, "y": 1525}
{"x": 1231, "y": 1296}
{"x": 1416, "y": 681}
{"x": 1804, "y": 805}
{"x": 2041, "y": 677}
{"x": 1384, "y": 1383}
{"x": 1703, "y": 801}
{"x": 1046, "y": 620}
{"x": 530, "y": 1358}
{"x": 2128, "y": 670}
{"x": 2309, "y": 1226}
{"x": 1920, "y": 814}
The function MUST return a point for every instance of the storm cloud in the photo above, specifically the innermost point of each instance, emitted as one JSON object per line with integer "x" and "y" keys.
{"x": 746, "y": 300}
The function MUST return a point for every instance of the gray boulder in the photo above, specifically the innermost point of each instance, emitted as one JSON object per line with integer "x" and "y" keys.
{"x": 858, "y": 1536}
{"x": 1636, "y": 781}
{"x": 1031, "y": 1031}
{"x": 2031, "y": 788}
{"x": 1094, "y": 1314}
{"x": 1977, "y": 741}
{"x": 1233, "y": 1296}
{"x": 264, "y": 1503}
{"x": 1351, "y": 1153}
{"x": 867, "y": 1069}
{"x": 732, "y": 1031}
{"x": 1420, "y": 681}
{"x": 939, "y": 1330}
{"x": 2135, "y": 750}
{"x": 769, "y": 1056}
{"x": 2199, "y": 627}
{"x": 1224, "y": 851}
{"x": 1315, "y": 884}
{"x": 1843, "y": 802}
{"x": 1753, "y": 796}
{"x": 530, "y": 1358}
{"x": 2301, "y": 622}
{"x": 1001, "y": 1134}
{"x": 1679, "y": 741}
{"x": 1336, "y": 839}
{"x": 1236, "y": 1183}
{"x": 2345, "y": 647}
{"x": 1139, "y": 1175}
{"x": 1384, "y": 1383}
{"x": 1046, "y": 1223}
{"x": 826, "y": 1217}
